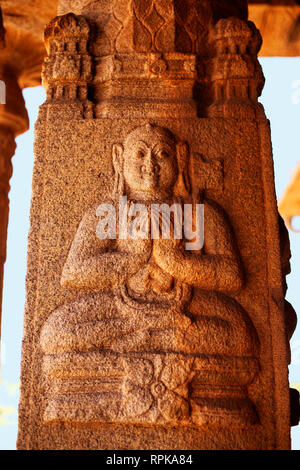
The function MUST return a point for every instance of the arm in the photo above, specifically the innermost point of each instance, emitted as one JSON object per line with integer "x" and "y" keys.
{"x": 94, "y": 264}
{"x": 209, "y": 272}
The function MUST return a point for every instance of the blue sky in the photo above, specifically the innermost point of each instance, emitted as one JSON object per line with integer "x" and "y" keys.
{"x": 282, "y": 103}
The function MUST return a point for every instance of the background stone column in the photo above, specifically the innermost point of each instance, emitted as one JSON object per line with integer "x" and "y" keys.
{"x": 13, "y": 121}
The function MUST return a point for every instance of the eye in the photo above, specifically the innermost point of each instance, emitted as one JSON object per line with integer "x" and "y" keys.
{"x": 141, "y": 154}
{"x": 163, "y": 154}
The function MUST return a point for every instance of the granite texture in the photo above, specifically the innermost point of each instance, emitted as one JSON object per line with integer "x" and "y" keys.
{"x": 138, "y": 342}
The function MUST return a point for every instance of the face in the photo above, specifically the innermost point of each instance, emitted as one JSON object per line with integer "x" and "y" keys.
{"x": 150, "y": 164}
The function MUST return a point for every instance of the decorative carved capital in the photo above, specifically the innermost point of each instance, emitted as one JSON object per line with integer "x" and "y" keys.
{"x": 68, "y": 68}
{"x": 233, "y": 69}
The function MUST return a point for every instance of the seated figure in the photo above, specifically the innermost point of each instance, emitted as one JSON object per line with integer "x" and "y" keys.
{"x": 155, "y": 336}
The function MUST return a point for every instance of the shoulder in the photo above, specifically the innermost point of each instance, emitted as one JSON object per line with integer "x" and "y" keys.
{"x": 217, "y": 227}
{"x": 92, "y": 214}
{"x": 95, "y": 210}
{"x": 214, "y": 213}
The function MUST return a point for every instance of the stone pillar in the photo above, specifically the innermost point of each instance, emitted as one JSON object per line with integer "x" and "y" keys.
{"x": 137, "y": 337}
{"x": 13, "y": 121}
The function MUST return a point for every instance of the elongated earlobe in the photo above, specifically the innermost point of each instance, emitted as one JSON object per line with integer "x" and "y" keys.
{"x": 182, "y": 187}
{"x": 118, "y": 160}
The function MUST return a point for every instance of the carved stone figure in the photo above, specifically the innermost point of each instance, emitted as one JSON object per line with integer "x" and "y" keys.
{"x": 155, "y": 333}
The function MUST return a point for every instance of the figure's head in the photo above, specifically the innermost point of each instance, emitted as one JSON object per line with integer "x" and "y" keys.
{"x": 148, "y": 161}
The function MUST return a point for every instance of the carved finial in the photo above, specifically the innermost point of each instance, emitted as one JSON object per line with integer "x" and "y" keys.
{"x": 236, "y": 75}
{"x": 66, "y": 26}
{"x": 68, "y": 68}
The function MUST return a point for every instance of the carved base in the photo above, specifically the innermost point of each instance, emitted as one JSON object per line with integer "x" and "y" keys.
{"x": 163, "y": 388}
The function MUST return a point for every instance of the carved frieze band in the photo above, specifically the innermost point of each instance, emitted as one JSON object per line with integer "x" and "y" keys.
{"x": 231, "y": 77}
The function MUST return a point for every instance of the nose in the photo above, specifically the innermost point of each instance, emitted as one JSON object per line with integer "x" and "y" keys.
{"x": 150, "y": 165}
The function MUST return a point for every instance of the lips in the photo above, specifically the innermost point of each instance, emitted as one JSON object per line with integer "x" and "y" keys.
{"x": 150, "y": 177}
